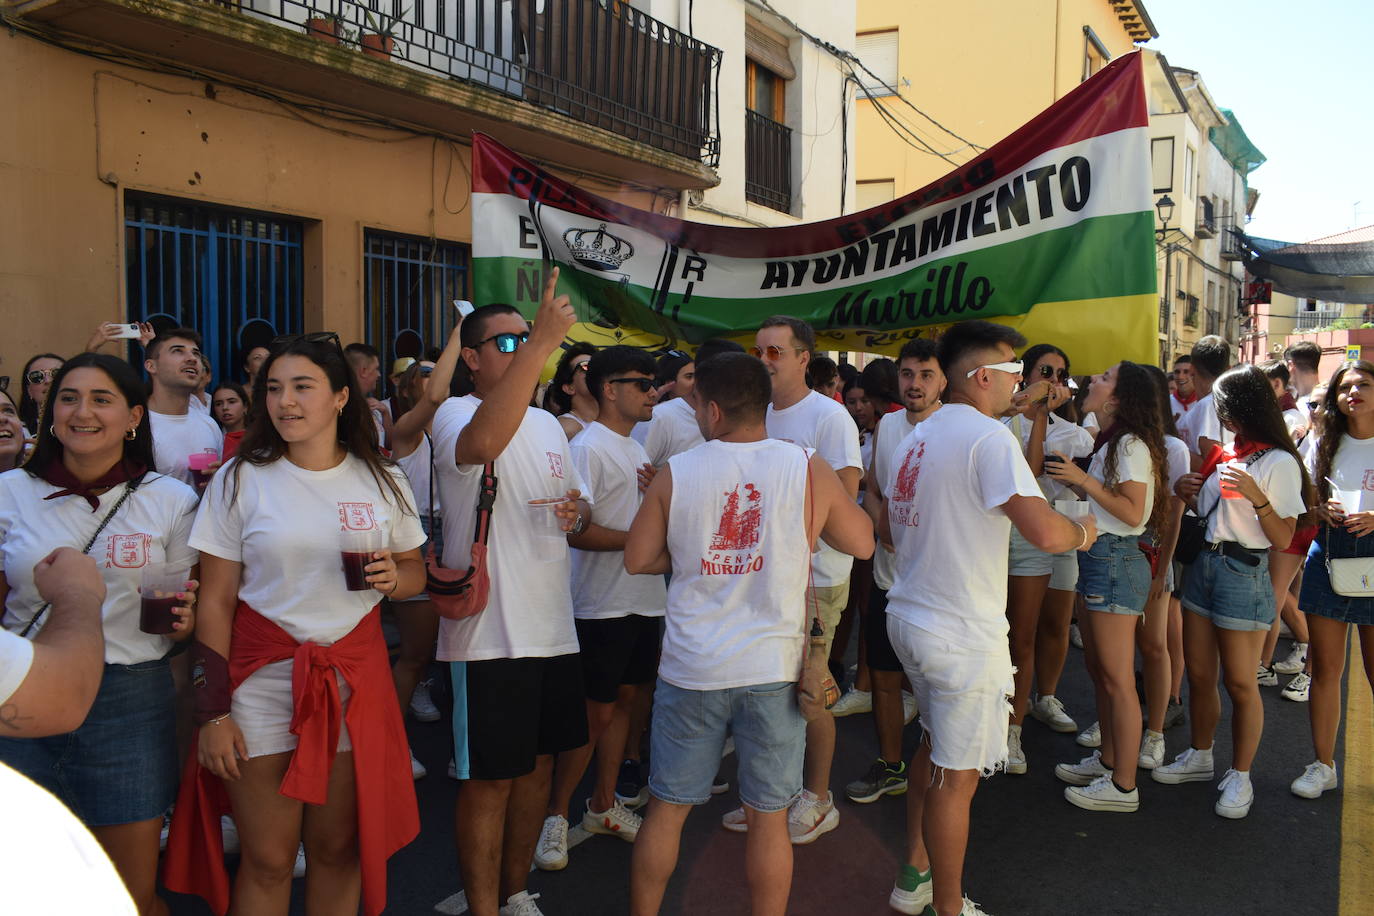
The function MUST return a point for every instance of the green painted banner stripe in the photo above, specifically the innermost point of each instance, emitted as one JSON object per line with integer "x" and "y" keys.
{"x": 1102, "y": 257}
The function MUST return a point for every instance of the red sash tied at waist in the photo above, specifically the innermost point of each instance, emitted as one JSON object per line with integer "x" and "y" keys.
{"x": 388, "y": 817}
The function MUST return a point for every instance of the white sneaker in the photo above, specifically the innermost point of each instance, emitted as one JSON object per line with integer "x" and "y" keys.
{"x": 1084, "y": 771}
{"x": 1090, "y": 736}
{"x": 972, "y": 909}
{"x": 421, "y": 705}
{"x": 1267, "y": 677}
{"x": 1284, "y": 631}
{"x": 854, "y": 701}
{"x": 298, "y": 870}
{"x": 1151, "y": 750}
{"x": 551, "y": 854}
{"x": 735, "y": 821}
{"x": 909, "y": 708}
{"x": 809, "y": 816}
{"x": 1296, "y": 660}
{"x": 615, "y": 821}
{"x": 1016, "y": 758}
{"x": 1237, "y": 795}
{"x": 1102, "y": 795}
{"x": 229, "y": 833}
{"x": 1298, "y": 688}
{"x": 1192, "y": 765}
{"x": 915, "y": 900}
{"x": 1049, "y": 710}
{"x": 1075, "y": 636}
{"x": 521, "y": 904}
{"x": 1316, "y": 779}
{"x": 417, "y": 769}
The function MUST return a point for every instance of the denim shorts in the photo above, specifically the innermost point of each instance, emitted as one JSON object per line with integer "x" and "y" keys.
{"x": 1114, "y": 575}
{"x": 1026, "y": 559}
{"x": 1317, "y": 595}
{"x": 120, "y": 765}
{"x": 1229, "y": 593}
{"x": 688, "y": 734}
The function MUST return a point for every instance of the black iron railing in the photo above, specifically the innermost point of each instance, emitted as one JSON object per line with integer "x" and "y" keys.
{"x": 1190, "y": 311}
{"x": 767, "y": 162}
{"x": 599, "y": 61}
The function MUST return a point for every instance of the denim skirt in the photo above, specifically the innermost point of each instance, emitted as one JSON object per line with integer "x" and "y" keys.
{"x": 1317, "y": 595}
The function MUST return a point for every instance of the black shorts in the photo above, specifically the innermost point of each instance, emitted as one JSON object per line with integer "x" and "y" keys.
{"x": 618, "y": 650}
{"x": 880, "y": 654}
{"x": 509, "y": 711}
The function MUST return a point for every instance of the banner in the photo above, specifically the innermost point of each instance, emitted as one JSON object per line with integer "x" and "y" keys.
{"x": 1051, "y": 231}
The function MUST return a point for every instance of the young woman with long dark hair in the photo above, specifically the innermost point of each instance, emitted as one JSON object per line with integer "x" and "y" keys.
{"x": 1127, "y": 488}
{"x": 567, "y": 397}
{"x": 297, "y": 714}
{"x": 1040, "y": 584}
{"x": 1345, "y": 456}
{"x": 229, "y": 406}
{"x": 36, "y": 379}
{"x": 90, "y": 484}
{"x": 1252, "y": 501}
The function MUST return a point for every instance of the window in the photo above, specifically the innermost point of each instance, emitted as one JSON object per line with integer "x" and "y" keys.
{"x": 874, "y": 193}
{"x": 1189, "y": 163}
{"x": 878, "y": 51}
{"x": 233, "y": 275}
{"x": 409, "y": 285}
{"x": 1095, "y": 53}
{"x": 1162, "y": 163}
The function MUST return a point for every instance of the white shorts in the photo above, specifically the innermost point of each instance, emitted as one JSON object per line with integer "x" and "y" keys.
{"x": 964, "y": 697}
{"x": 263, "y": 706}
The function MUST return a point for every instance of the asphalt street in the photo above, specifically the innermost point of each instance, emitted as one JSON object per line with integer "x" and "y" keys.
{"x": 1030, "y": 854}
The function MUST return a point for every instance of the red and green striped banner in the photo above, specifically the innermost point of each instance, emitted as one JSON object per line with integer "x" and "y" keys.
{"x": 1051, "y": 230}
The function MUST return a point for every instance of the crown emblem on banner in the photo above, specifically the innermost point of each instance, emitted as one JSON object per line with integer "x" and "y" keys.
{"x": 597, "y": 248}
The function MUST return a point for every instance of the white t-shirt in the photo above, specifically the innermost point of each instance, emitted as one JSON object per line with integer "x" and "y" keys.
{"x": 1295, "y": 420}
{"x": 174, "y": 438}
{"x": 152, "y": 527}
{"x": 601, "y": 588}
{"x": 529, "y": 609}
{"x": 284, "y": 526}
{"x": 202, "y": 406}
{"x": 1133, "y": 463}
{"x": 16, "y": 657}
{"x": 823, "y": 425}
{"x": 889, "y": 433}
{"x": 1061, "y": 438}
{"x": 1202, "y": 422}
{"x": 416, "y": 468}
{"x": 50, "y": 865}
{"x": 672, "y": 431}
{"x": 1352, "y": 469}
{"x": 1178, "y": 408}
{"x": 957, "y": 469}
{"x": 1179, "y": 461}
{"x": 1277, "y": 474}
{"x": 737, "y": 538}
{"x": 1089, "y": 422}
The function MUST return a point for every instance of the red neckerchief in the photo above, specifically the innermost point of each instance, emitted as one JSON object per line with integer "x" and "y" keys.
{"x": 1240, "y": 448}
{"x": 57, "y": 474}
{"x": 1188, "y": 401}
{"x": 1288, "y": 402}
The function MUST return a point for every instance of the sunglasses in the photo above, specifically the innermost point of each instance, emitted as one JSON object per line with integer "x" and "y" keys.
{"x": 39, "y": 376}
{"x": 1048, "y": 371}
{"x": 505, "y": 343}
{"x": 774, "y": 352}
{"x": 1012, "y": 368}
{"x": 643, "y": 384}
{"x": 582, "y": 366}
{"x": 426, "y": 370}
{"x": 312, "y": 337}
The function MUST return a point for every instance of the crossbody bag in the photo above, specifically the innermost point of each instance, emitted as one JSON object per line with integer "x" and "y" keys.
{"x": 457, "y": 594}
{"x": 1351, "y": 577}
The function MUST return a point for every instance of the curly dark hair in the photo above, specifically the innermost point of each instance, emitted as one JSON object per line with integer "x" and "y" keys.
{"x": 1334, "y": 424}
{"x": 1137, "y": 414}
{"x": 1246, "y": 404}
{"x": 556, "y": 400}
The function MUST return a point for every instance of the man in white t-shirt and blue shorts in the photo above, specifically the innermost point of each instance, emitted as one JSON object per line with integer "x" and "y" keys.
{"x": 734, "y": 520}
{"x": 958, "y": 484}
{"x": 517, "y": 676}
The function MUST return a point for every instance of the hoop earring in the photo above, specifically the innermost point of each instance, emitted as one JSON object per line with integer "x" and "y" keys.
{"x": 131, "y": 435}
{"x": 52, "y": 429}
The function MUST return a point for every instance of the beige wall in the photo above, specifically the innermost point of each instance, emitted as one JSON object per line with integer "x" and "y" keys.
{"x": 980, "y": 67}
{"x": 85, "y": 131}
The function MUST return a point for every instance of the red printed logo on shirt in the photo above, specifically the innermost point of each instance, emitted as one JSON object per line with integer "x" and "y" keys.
{"x": 356, "y": 517}
{"x": 127, "y": 551}
{"x": 737, "y": 535}
{"x": 555, "y": 464}
{"x": 1368, "y": 482}
{"x": 904, "y": 489}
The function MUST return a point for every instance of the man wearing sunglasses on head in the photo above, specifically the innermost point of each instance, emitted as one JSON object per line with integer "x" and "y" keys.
{"x": 517, "y": 675}
{"x": 810, "y": 419}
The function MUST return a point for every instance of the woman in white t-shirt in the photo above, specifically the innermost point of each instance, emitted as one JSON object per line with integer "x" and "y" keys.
{"x": 307, "y": 479}
{"x": 1252, "y": 501}
{"x": 1344, "y": 475}
{"x": 89, "y": 484}
{"x": 1127, "y": 492}
{"x": 567, "y": 397}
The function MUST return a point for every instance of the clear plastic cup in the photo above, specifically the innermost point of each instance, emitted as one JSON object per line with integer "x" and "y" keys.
{"x": 1352, "y": 500}
{"x": 1073, "y": 508}
{"x": 356, "y": 549}
{"x": 158, "y": 590}
{"x": 546, "y": 528}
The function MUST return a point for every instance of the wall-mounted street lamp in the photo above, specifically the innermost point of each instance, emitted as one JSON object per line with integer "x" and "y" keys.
{"x": 1165, "y": 208}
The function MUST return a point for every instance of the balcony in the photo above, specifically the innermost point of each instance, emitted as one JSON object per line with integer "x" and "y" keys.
{"x": 594, "y": 84}
{"x": 1206, "y": 219}
{"x": 1163, "y": 316}
{"x": 767, "y": 162}
{"x": 1230, "y": 246}
{"x": 1310, "y": 321}
{"x": 1190, "y": 310}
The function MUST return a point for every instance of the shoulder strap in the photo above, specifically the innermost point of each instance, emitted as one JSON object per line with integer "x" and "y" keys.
{"x": 486, "y": 499}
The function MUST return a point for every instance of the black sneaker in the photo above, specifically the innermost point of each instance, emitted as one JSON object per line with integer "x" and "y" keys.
{"x": 630, "y": 788}
{"x": 881, "y": 779}
{"x": 1175, "y": 714}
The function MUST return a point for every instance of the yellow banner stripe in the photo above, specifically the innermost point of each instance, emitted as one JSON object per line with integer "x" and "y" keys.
{"x": 1357, "y": 792}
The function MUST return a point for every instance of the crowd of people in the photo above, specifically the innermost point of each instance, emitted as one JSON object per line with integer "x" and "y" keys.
{"x": 659, "y": 561}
